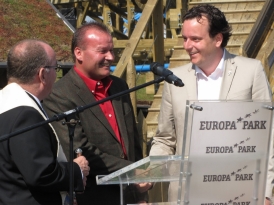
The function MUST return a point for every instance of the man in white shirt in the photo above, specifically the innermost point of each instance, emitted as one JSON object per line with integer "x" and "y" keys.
{"x": 213, "y": 74}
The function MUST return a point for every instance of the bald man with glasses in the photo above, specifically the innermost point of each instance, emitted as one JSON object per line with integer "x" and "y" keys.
{"x": 34, "y": 169}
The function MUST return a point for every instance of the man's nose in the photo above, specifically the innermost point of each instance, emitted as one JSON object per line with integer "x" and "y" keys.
{"x": 187, "y": 44}
{"x": 110, "y": 55}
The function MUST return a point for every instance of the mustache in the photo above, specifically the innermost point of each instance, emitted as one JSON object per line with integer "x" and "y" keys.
{"x": 105, "y": 64}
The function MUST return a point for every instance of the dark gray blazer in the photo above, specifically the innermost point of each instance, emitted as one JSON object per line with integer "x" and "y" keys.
{"x": 95, "y": 135}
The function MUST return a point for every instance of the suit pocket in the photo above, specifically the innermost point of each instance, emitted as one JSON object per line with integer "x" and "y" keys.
{"x": 240, "y": 95}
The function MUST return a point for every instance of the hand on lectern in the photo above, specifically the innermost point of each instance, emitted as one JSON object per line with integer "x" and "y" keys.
{"x": 143, "y": 187}
{"x": 267, "y": 201}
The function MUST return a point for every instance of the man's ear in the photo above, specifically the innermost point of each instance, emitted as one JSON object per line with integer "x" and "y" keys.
{"x": 42, "y": 75}
{"x": 219, "y": 39}
{"x": 78, "y": 53}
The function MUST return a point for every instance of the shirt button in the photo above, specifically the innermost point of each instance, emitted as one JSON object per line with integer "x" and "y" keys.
{"x": 98, "y": 83}
{"x": 109, "y": 115}
{"x": 92, "y": 91}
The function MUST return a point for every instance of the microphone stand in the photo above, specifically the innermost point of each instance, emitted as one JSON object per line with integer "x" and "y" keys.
{"x": 71, "y": 123}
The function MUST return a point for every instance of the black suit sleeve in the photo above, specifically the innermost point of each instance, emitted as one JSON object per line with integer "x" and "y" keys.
{"x": 34, "y": 155}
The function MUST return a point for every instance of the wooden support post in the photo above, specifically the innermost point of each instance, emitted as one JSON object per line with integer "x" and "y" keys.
{"x": 130, "y": 78}
{"x": 158, "y": 46}
{"x": 142, "y": 130}
{"x": 130, "y": 17}
{"x": 107, "y": 18}
{"x": 134, "y": 38}
{"x": 82, "y": 8}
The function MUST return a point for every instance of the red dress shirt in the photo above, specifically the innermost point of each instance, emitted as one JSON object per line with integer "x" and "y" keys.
{"x": 99, "y": 90}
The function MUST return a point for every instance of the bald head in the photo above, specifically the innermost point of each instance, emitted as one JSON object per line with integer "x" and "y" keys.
{"x": 25, "y": 58}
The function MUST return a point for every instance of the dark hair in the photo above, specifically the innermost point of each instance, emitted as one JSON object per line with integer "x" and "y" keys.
{"x": 24, "y": 60}
{"x": 216, "y": 19}
{"x": 79, "y": 34}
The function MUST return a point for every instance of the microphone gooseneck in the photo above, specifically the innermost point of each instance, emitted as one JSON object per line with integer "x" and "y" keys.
{"x": 159, "y": 69}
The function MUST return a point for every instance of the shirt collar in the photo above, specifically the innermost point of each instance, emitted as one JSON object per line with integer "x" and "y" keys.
{"x": 91, "y": 84}
{"x": 35, "y": 98}
{"x": 218, "y": 71}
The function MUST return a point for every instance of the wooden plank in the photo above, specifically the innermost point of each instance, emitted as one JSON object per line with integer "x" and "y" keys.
{"x": 191, "y": 2}
{"x": 259, "y": 30}
{"x": 106, "y": 17}
{"x": 158, "y": 45}
{"x": 144, "y": 43}
{"x": 65, "y": 1}
{"x": 237, "y": 10}
{"x": 158, "y": 33}
{"x": 150, "y": 89}
{"x": 135, "y": 37}
{"x": 82, "y": 8}
{"x": 234, "y": 6}
{"x": 130, "y": 78}
{"x": 130, "y": 16}
{"x": 142, "y": 130}
{"x": 266, "y": 55}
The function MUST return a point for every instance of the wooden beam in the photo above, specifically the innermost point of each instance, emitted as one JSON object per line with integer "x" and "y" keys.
{"x": 106, "y": 16}
{"x": 131, "y": 81}
{"x": 157, "y": 32}
{"x": 130, "y": 17}
{"x": 65, "y": 1}
{"x": 145, "y": 43}
{"x": 223, "y": 2}
{"x": 259, "y": 31}
{"x": 158, "y": 45}
{"x": 82, "y": 9}
{"x": 134, "y": 38}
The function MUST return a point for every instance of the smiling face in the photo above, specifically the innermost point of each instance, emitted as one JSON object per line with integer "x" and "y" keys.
{"x": 96, "y": 55}
{"x": 204, "y": 51}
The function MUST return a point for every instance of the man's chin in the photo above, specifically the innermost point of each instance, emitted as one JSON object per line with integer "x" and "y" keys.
{"x": 106, "y": 74}
{"x": 193, "y": 61}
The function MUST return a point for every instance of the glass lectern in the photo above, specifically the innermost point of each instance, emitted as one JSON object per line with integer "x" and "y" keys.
{"x": 224, "y": 156}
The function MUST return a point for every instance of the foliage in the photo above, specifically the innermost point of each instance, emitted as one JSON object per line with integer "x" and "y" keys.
{"x": 141, "y": 95}
{"x": 32, "y": 19}
{"x": 36, "y": 19}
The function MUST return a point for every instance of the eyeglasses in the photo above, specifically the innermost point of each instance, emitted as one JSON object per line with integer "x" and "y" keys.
{"x": 56, "y": 67}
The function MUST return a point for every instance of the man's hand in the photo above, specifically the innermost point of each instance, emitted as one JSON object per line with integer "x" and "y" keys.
{"x": 84, "y": 181}
{"x": 143, "y": 187}
{"x": 142, "y": 203}
{"x": 83, "y": 164}
{"x": 267, "y": 201}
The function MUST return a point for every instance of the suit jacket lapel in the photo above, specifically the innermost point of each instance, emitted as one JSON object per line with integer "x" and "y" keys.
{"x": 191, "y": 83}
{"x": 228, "y": 75}
{"x": 87, "y": 98}
{"x": 39, "y": 106}
{"x": 119, "y": 113}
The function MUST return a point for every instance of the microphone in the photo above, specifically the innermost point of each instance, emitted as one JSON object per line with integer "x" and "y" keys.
{"x": 78, "y": 152}
{"x": 158, "y": 69}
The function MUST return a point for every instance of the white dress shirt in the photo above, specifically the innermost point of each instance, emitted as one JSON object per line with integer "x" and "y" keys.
{"x": 209, "y": 86}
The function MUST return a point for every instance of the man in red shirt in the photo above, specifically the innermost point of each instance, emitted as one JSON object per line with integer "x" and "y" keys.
{"x": 107, "y": 133}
